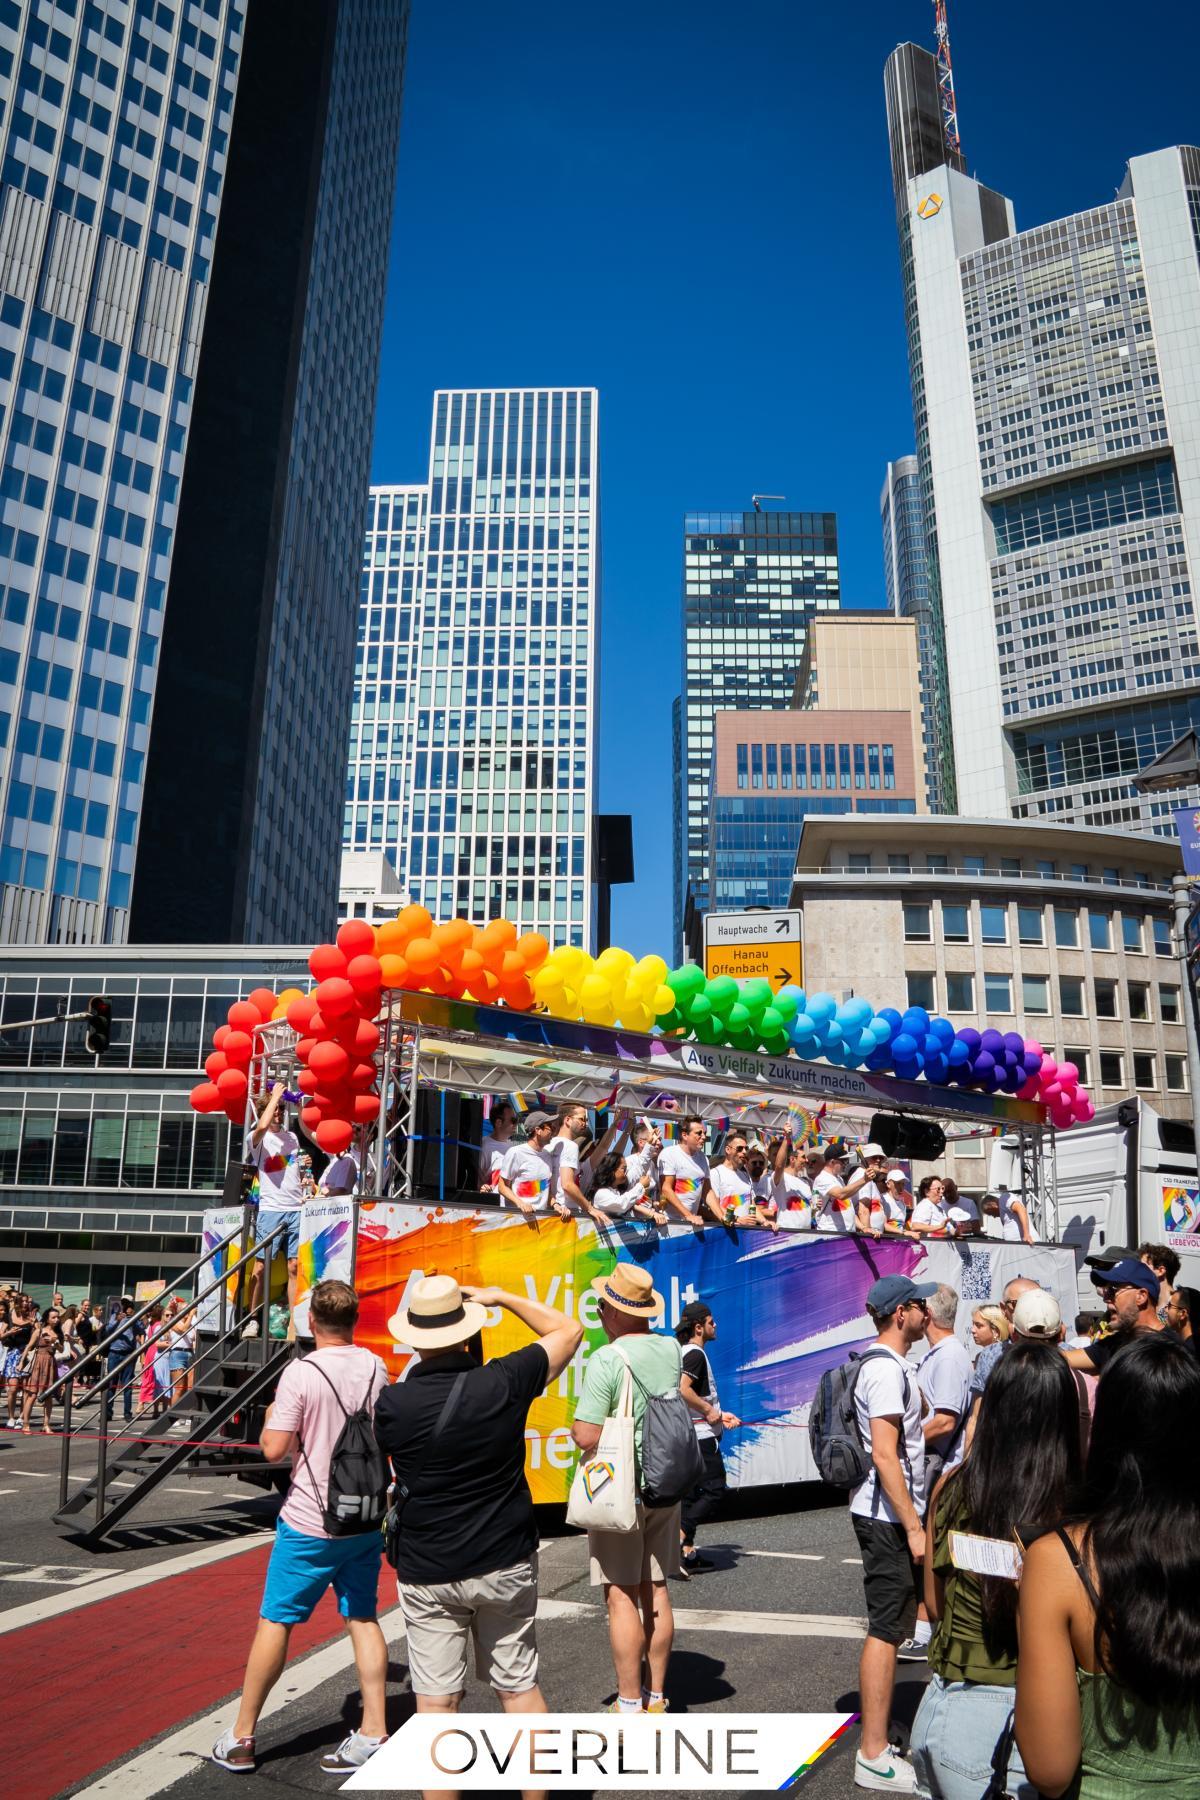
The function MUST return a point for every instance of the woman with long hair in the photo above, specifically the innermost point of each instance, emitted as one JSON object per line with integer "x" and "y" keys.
{"x": 1108, "y": 1678}
{"x": 1020, "y": 1473}
{"x": 619, "y": 1198}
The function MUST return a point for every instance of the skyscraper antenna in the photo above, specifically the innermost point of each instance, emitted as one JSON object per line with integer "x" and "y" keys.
{"x": 945, "y": 75}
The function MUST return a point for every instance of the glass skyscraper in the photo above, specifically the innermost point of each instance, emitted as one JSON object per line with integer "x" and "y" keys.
{"x": 1058, "y": 440}
{"x": 181, "y": 234}
{"x": 472, "y": 746}
{"x": 906, "y": 583}
{"x": 750, "y": 582}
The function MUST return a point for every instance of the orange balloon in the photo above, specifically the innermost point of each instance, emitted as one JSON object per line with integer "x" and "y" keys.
{"x": 453, "y": 940}
{"x": 422, "y": 956}
{"x": 512, "y": 968}
{"x": 390, "y": 938}
{"x": 485, "y": 987}
{"x": 499, "y": 935}
{"x": 517, "y": 994}
{"x": 394, "y": 970}
{"x": 470, "y": 966}
{"x": 415, "y": 921}
{"x": 533, "y": 949}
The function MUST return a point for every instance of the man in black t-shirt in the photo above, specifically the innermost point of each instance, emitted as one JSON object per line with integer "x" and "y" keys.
{"x": 696, "y": 1330}
{"x": 1130, "y": 1291}
{"x": 467, "y": 1560}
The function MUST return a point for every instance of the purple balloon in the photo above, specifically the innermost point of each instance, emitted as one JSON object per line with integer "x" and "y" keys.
{"x": 1014, "y": 1078}
{"x": 1032, "y": 1061}
{"x": 985, "y": 1064}
{"x": 992, "y": 1041}
{"x": 1015, "y": 1042}
{"x": 971, "y": 1038}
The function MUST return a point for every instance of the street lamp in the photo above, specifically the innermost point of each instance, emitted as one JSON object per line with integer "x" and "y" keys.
{"x": 1179, "y": 767}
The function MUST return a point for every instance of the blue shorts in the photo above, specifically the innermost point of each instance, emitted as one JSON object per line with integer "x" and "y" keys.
{"x": 302, "y": 1567}
{"x": 271, "y": 1216}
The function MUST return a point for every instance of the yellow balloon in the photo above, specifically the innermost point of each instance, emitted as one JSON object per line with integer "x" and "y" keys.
{"x": 570, "y": 958}
{"x": 615, "y": 959}
{"x": 654, "y": 969}
{"x": 547, "y": 986}
{"x": 664, "y": 1001}
{"x": 636, "y": 1018}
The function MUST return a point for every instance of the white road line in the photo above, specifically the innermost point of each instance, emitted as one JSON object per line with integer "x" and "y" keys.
{"x": 33, "y": 1474}
{"x": 770, "y": 1624}
{"x": 856, "y": 1560}
{"x": 177, "y": 1755}
{"x": 10, "y": 1490}
{"x": 189, "y": 1491}
{"x": 786, "y": 1555}
{"x": 37, "y": 1610}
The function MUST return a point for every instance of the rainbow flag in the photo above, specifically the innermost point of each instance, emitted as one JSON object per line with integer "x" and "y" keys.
{"x": 686, "y": 1186}
{"x": 532, "y": 1187}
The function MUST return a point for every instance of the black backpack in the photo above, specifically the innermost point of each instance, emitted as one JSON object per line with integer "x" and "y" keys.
{"x": 356, "y": 1501}
{"x": 672, "y": 1463}
{"x": 842, "y": 1458}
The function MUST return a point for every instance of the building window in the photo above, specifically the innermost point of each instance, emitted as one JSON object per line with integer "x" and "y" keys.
{"x": 997, "y": 994}
{"x": 1093, "y": 502}
{"x": 1010, "y": 865}
{"x": 956, "y": 924}
{"x": 844, "y": 764}
{"x": 756, "y": 765}
{"x": 1080, "y": 871}
{"x": 993, "y": 924}
{"x": 831, "y": 766}
{"x": 873, "y": 765}
{"x": 1111, "y": 877}
{"x": 920, "y": 991}
{"x": 936, "y": 864}
{"x": 1139, "y": 1000}
{"x": 860, "y": 862}
{"x": 1106, "y": 1000}
{"x": 802, "y": 769}
{"x": 1100, "y": 930}
{"x": 889, "y": 766}
{"x": 960, "y": 992}
{"x": 1112, "y": 1069}
{"x": 1131, "y": 932}
{"x": 1031, "y": 925}
{"x": 1162, "y": 937}
{"x": 1144, "y": 1073}
{"x": 1035, "y": 993}
{"x": 1168, "y": 1005}
{"x": 1070, "y": 996}
{"x": 898, "y": 862}
{"x": 772, "y": 766}
{"x": 916, "y": 925}
{"x": 1176, "y": 1071}
{"x": 743, "y": 765}
{"x": 1066, "y": 929}
{"x": 860, "y": 766}
{"x": 785, "y": 766}
{"x": 1082, "y": 1061}
{"x": 975, "y": 865}
{"x": 1044, "y": 868}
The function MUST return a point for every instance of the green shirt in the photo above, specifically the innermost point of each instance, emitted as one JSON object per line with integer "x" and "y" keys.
{"x": 959, "y": 1649}
{"x": 655, "y": 1359}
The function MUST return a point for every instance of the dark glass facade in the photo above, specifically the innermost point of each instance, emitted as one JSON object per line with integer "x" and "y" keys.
{"x": 754, "y": 839}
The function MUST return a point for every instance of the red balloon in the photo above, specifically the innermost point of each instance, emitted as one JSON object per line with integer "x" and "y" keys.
{"x": 306, "y": 1081}
{"x": 236, "y": 1113}
{"x": 334, "y": 1135}
{"x": 215, "y": 1064}
{"x": 362, "y": 1077}
{"x": 355, "y": 938}
{"x": 300, "y": 1012}
{"x": 366, "y": 1038}
{"x": 238, "y": 1048}
{"x": 335, "y": 998}
{"x": 329, "y": 1061}
{"x": 263, "y": 1000}
{"x": 310, "y": 1117}
{"x": 367, "y": 1005}
{"x": 219, "y": 1036}
{"x": 326, "y": 962}
{"x": 365, "y": 975}
{"x": 366, "y": 1108}
{"x": 305, "y": 1047}
{"x": 232, "y": 1086}
{"x": 335, "y": 1102}
{"x": 317, "y": 1026}
{"x": 243, "y": 1017}
{"x": 205, "y": 1098}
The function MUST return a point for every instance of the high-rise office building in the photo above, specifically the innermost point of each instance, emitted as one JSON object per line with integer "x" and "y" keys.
{"x": 473, "y": 742}
{"x": 751, "y": 581}
{"x": 193, "y": 229}
{"x": 1058, "y": 440}
{"x": 906, "y": 582}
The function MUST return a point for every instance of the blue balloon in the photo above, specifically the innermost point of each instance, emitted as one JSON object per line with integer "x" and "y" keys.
{"x": 915, "y": 1021}
{"x": 879, "y": 1059}
{"x": 904, "y": 1047}
{"x": 803, "y": 1026}
{"x": 1032, "y": 1062}
{"x": 891, "y": 1018}
{"x": 958, "y": 1055}
{"x": 937, "y": 1069}
{"x": 943, "y": 1031}
{"x": 1014, "y": 1079}
{"x": 791, "y": 992}
{"x": 833, "y": 1032}
{"x": 821, "y": 1006}
{"x": 855, "y": 1011}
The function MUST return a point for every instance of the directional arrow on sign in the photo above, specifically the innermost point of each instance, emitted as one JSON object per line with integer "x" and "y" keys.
{"x": 781, "y": 927}
{"x": 782, "y": 976}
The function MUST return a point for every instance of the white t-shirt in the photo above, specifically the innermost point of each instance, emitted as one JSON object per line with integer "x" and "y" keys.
{"x": 884, "y": 1208}
{"x": 879, "y": 1394}
{"x": 832, "y": 1214}
{"x": 617, "y": 1206}
{"x": 733, "y": 1185}
{"x": 964, "y": 1211}
{"x": 930, "y": 1212}
{"x": 689, "y": 1173}
{"x": 277, "y": 1159}
{"x": 529, "y": 1174}
{"x": 793, "y": 1194}
{"x": 944, "y": 1377}
{"x": 340, "y": 1175}
{"x": 493, "y": 1154}
{"x": 642, "y": 1162}
{"x": 1010, "y": 1225}
{"x": 566, "y": 1156}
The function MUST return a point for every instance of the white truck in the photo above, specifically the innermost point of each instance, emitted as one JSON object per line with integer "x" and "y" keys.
{"x": 1127, "y": 1177}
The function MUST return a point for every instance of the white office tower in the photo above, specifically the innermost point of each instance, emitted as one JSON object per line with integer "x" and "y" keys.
{"x": 1056, "y": 398}
{"x": 472, "y": 744}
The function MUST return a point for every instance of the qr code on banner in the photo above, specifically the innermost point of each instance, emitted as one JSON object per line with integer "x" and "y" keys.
{"x": 977, "y": 1275}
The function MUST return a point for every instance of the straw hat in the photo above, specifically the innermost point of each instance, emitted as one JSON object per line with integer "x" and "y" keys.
{"x": 438, "y": 1318}
{"x": 630, "y": 1288}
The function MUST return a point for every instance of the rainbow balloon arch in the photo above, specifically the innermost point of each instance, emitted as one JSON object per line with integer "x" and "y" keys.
{"x": 338, "y": 1036}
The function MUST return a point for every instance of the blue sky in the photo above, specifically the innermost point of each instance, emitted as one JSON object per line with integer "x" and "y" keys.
{"x": 688, "y": 206}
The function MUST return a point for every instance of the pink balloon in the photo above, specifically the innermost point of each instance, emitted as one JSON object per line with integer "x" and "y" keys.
{"x": 1068, "y": 1074}
{"x": 1089, "y": 1113}
{"x": 1081, "y": 1106}
{"x": 1034, "y": 1048}
{"x": 1048, "y": 1072}
{"x": 1031, "y": 1089}
{"x": 1052, "y": 1095}
{"x": 1063, "y": 1116}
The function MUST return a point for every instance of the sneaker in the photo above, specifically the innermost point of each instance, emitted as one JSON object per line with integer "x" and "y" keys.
{"x": 911, "y": 1650}
{"x": 891, "y": 1770}
{"x": 654, "y": 1706}
{"x": 234, "y": 1753}
{"x": 351, "y": 1754}
{"x": 695, "y": 1564}
{"x": 250, "y": 1328}
{"x": 630, "y": 1711}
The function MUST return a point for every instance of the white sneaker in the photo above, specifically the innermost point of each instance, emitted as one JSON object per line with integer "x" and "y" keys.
{"x": 351, "y": 1754}
{"x": 891, "y": 1770}
{"x": 250, "y": 1328}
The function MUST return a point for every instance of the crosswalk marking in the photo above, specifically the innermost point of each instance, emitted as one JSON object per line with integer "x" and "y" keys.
{"x": 786, "y": 1555}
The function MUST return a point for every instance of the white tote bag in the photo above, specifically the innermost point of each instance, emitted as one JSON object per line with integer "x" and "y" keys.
{"x": 604, "y": 1491}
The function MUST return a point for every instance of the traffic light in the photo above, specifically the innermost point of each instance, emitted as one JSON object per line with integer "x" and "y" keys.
{"x": 99, "y": 1025}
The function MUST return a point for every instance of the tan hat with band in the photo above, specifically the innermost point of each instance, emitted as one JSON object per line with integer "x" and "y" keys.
{"x": 438, "y": 1317}
{"x": 630, "y": 1288}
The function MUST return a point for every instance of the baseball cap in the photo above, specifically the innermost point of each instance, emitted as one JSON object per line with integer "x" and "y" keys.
{"x": 868, "y": 1150}
{"x": 532, "y": 1120}
{"x": 1110, "y": 1256}
{"x": 1037, "y": 1314}
{"x": 1129, "y": 1272}
{"x": 891, "y": 1291}
{"x": 897, "y": 1175}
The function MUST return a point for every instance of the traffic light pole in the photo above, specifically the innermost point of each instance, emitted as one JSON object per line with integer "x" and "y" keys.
{"x": 51, "y": 1019}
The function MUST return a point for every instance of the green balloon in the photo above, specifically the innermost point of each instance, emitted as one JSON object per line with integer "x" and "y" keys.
{"x": 722, "y": 991}
{"x": 699, "y": 1010}
{"x": 710, "y": 1031}
{"x": 756, "y": 995}
{"x": 737, "y": 1018}
{"x": 771, "y": 1023}
{"x": 786, "y": 1007}
{"x": 672, "y": 1021}
{"x": 686, "y": 981}
{"x": 746, "y": 1039}
{"x": 776, "y": 1046}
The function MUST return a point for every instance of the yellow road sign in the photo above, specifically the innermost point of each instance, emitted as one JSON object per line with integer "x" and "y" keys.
{"x": 777, "y": 963}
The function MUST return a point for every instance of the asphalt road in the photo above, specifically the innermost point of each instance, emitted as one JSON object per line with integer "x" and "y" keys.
{"x": 775, "y": 1627}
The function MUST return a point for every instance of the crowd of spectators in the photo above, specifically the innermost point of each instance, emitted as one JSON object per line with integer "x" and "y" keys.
{"x": 40, "y": 1345}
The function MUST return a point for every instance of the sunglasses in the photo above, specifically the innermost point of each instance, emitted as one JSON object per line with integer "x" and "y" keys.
{"x": 1108, "y": 1292}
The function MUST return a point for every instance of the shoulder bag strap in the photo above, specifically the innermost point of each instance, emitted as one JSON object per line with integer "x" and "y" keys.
{"x": 404, "y": 1489}
{"x": 1079, "y": 1566}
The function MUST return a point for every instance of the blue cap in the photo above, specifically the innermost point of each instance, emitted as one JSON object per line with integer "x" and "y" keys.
{"x": 891, "y": 1291}
{"x": 1129, "y": 1273}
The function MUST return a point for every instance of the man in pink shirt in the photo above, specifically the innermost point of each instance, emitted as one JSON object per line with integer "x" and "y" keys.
{"x": 304, "y": 1421}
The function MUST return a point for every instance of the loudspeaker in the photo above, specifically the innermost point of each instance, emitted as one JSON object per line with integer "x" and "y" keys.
{"x": 920, "y": 1140}
{"x": 446, "y": 1150}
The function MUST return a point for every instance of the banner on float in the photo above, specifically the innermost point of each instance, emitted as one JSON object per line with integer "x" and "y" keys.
{"x": 326, "y": 1251}
{"x": 621, "y": 1753}
{"x": 1180, "y": 1202}
{"x": 217, "y": 1224}
{"x": 787, "y": 1308}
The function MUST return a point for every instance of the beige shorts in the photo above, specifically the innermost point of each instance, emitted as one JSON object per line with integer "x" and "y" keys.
{"x": 498, "y": 1611}
{"x": 627, "y": 1558}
